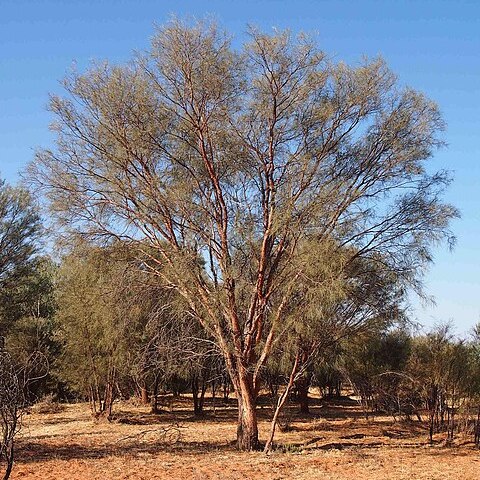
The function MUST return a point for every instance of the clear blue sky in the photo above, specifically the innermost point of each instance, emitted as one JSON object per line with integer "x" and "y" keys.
{"x": 434, "y": 46}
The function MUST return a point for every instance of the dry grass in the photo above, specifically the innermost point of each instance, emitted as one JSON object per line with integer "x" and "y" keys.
{"x": 335, "y": 442}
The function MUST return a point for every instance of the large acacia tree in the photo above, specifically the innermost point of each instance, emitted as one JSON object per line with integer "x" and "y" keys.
{"x": 250, "y": 174}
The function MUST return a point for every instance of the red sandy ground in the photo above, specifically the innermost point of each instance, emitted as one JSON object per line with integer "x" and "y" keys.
{"x": 335, "y": 442}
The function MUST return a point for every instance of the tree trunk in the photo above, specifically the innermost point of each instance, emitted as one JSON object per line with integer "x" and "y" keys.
{"x": 144, "y": 395}
{"x": 198, "y": 394}
{"x": 93, "y": 401}
{"x": 108, "y": 401}
{"x": 214, "y": 396}
{"x": 9, "y": 456}
{"x": 109, "y": 395}
{"x": 247, "y": 428}
{"x": 226, "y": 390}
{"x": 477, "y": 429}
{"x": 201, "y": 402}
{"x": 302, "y": 385}
{"x": 433, "y": 410}
{"x": 281, "y": 402}
{"x": 155, "y": 395}
{"x": 338, "y": 389}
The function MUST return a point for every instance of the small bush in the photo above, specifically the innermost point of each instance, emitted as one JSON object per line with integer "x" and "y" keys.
{"x": 48, "y": 404}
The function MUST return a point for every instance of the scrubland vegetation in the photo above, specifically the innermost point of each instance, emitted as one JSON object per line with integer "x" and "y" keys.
{"x": 233, "y": 237}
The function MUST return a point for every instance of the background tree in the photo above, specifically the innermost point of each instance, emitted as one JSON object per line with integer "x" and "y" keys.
{"x": 20, "y": 229}
{"x": 177, "y": 354}
{"x": 23, "y": 289}
{"x": 29, "y": 309}
{"x": 238, "y": 158}
{"x": 14, "y": 383}
{"x": 475, "y": 381}
{"x": 374, "y": 364}
{"x": 371, "y": 299}
{"x": 442, "y": 368}
{"x": 11, "y": 403}
{"x": 92, "y": 325}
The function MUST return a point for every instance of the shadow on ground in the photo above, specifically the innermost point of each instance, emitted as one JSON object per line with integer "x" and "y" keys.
{"x": 163, "y": 432}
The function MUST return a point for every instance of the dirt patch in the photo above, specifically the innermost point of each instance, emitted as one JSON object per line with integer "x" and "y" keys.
{"x": 329, "y": 444}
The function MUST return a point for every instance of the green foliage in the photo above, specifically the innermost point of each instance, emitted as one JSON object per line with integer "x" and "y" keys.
{"x": 180, "y": 150}
{"x": 260, "y": 182}
{"x": 90, "y": 322}
{"x": 20, "y": 230}
{"x": 32, "y": 305}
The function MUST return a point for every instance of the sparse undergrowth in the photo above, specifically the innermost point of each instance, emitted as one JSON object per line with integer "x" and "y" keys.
{"x": 333, "y": 442}
{"x": 48, "y": 404}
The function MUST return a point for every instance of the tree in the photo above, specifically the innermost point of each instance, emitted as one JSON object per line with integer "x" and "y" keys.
{"x": 20, "y": 282}
{"x": 177, "y": 350}
{"x": 475, "y": 380}
{"x": 92, "y": 324}
{"x": 229, "y": 163}
{"x": 374, "y": 365}
{"x": 29, "y": 311}
{"x": 11, "y": 403}
{"x": 371, "y": 300}
{"x": 20, "y": 230}
{"x": 444, "y": 369}
{"x": 14, "y": 382}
